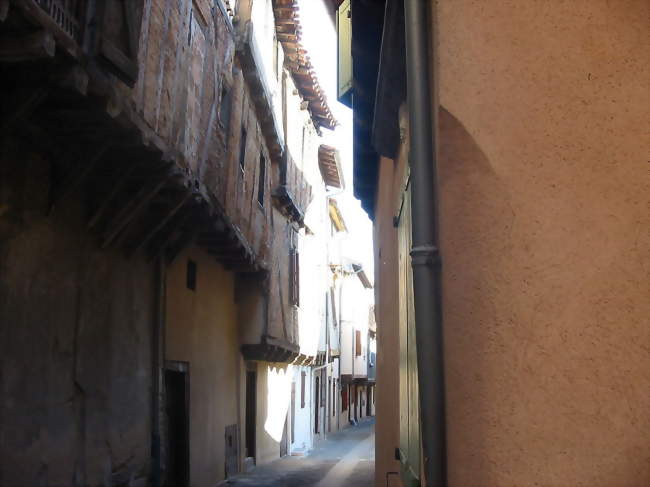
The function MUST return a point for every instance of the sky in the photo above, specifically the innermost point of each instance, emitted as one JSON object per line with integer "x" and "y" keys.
{"x": 319, "y": 38}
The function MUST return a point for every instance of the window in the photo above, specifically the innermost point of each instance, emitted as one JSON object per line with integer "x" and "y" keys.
{"x": 302, "y": 390}
{"x": 276, "y": 70}
{"x": 357, "y": 343}
{"x": 294, "y": 277}
{"x": 191, "y": 275}
{"x": 242, "y": 148}
{"x": 226, "y": 108}
{"x": 261, "y": 181}
{"x": 323, "y": 391}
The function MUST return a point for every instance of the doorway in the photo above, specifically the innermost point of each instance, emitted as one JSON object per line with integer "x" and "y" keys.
{"x": 178, "y": 424}
{"x": 293, "y": 413}
{"x": 284, "y": 447}
{"x": 251, "y": 412}
{"x": 316, "y": 405}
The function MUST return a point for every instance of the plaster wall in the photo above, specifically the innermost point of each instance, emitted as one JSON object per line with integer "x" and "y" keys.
{"x": 201, "y": 328}
{"x": 303, "y": 441}
{"x": 75, "y": 340}
{"x": 273, "y": 401}
{"x": 544, "y": 222}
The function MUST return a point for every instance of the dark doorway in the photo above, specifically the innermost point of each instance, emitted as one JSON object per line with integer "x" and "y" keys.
{"x": 178, "y": 425}
{"x": 293, "y": 412}
{"x": 284, "y": 447}
{"x": 251, "y": 411}
{"x": 369, "y": 401}
{"x": 317, "y": 406}
{"x": 330, "y": 399}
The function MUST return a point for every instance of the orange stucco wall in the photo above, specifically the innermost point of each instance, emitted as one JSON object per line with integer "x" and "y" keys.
{"x": 544, "y": 189}
{"x": 201, "y": 329}
{"x": 544, "y": 199}
{"x": 386, "y": 311}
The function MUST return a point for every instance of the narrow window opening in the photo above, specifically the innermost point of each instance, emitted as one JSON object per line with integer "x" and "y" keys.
{"x": 302, "y": 149}
{"x": 276, "y": 70}
{"x": 242, "y": 149}
{"x": 261, "y": 183}
{"x": 225, "y": 109}
{"x": 191, "y": 275}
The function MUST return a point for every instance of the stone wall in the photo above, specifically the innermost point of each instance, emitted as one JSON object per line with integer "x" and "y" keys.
{"x": 75, "y": 340}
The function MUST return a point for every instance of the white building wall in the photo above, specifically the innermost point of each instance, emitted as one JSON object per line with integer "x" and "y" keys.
{"x": 302, "y": 436}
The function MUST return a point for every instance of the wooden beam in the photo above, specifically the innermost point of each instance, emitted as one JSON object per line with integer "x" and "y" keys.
{"x": 77, "y": 176}
{"x": 75, "y": 78}
{"x": 4, "y": 10}
{"x": 131, "y": 210}
{"x": 24, "y": 105}
{"x": 117, "y": 187}
{"x": 185, "y": 240}
{"x": 38, "y": 45}
{"x": 153, "y": 231}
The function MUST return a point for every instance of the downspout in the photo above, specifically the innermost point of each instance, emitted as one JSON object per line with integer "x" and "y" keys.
{"x": 158, "y": 350}
{"x": 424, "y": 252}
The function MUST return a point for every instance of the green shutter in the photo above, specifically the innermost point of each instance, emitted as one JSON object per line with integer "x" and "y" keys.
{"x": 409, "y": 404}
{"x": 344, "y": 30}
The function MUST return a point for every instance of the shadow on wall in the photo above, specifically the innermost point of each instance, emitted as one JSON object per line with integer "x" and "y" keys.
{"x": 475, "y": 216}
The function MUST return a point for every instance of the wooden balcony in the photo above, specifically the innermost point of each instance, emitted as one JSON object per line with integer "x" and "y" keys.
{"x": 293, "y": 193}
{"x": 74, "y": 89}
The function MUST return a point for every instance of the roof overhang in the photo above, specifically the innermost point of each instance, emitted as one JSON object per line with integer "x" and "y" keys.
{"x": 329, "y": 163}
{"x": 289, "y": 33}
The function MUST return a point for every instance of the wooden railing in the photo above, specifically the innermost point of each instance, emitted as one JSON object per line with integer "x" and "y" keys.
{"x": 67, "y": 14}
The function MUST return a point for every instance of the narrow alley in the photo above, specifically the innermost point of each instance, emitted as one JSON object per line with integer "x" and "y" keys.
{"x": 346, "y": 457}
{"x": 331, "y": 243}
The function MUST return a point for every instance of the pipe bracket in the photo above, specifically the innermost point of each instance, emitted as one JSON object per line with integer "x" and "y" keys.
{"x": 425, "y": 255}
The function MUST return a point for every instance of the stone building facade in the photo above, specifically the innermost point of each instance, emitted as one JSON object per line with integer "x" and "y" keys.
{"x": 152, "y": 197}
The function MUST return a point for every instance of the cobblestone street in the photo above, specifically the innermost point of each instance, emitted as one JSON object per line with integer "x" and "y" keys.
{"x": 345, "y": 458}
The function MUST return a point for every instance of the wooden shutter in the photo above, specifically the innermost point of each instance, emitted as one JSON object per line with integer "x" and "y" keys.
{"x": 344, "y": 45}
{"x": 116, "y": 39}
{"x": 357, "y": 342}
{"x": 302, "y": 389}
{"x": 294, "y": 277}
{"x": 408, "y": 383}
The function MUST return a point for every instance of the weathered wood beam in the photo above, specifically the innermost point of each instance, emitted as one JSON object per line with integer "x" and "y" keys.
{"x": 75, "y": 78}
{"x": 131, "y": 210}
{"x": 159, "y": 226}
{"x": 165, "y": 241}
{"x": 117, "y": 187}
{"x": 185, "y": 240}
{"x": 77, "y": 176}
{"x": 4, "y": 10}
{"x": 24, "y": 104}
{"x": 37, "y": 45}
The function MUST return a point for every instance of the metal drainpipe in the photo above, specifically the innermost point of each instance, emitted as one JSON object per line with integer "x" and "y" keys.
{"x": 424, "y": 253}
